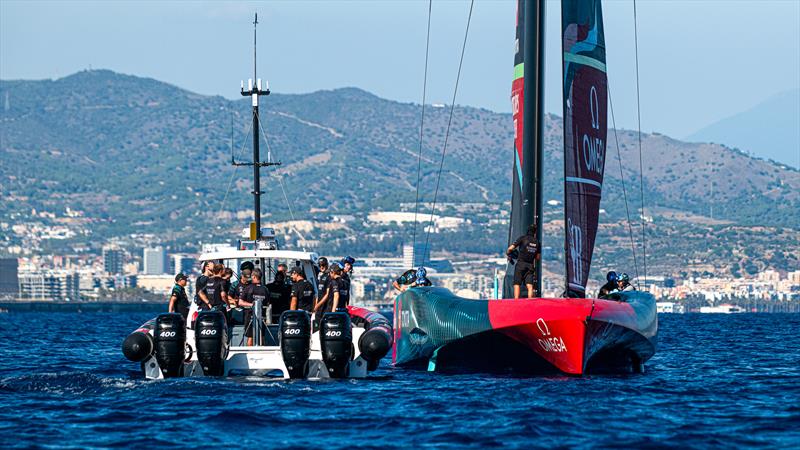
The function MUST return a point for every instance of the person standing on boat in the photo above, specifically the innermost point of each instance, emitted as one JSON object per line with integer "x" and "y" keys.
{"x": 412, "y": 278}
{"x": 178, "y": 300}
{"x": 610, "y": 286}
{"x": 323, "y": 276}
{"x": 215, "y": 289}
{"x": 338, "y": 290}
{"x": 254, "y": 292}
{"x": 227, "y": 274}
{"x": 529, "y": 252}
{"x": 280, "y": 293}
{"x": 347, "y": 270}
{"x": 200, "y": 296}
{"x": 302, "y": 291}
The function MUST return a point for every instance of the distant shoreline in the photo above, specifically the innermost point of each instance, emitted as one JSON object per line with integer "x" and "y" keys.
{"x": 60, "y": 306}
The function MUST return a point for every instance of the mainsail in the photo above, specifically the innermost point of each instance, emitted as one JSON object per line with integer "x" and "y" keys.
{"x": 527, "y": 95}
{"x": 585, "y": 128}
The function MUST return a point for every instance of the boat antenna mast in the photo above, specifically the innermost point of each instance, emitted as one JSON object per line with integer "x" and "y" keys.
{"x": 254, "y": 90}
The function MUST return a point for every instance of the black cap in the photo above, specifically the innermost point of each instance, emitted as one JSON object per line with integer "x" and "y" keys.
{"x": 297, "y": 270}
{"x": 180, "y": 277}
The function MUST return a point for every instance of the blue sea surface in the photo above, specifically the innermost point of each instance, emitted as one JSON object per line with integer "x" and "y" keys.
{"x": 716, "y": 381}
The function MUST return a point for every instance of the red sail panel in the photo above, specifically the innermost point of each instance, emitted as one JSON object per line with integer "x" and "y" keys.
{"x": 585, "y": 129}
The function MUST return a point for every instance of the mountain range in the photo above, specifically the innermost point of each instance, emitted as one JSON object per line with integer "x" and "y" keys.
{"x": 140, "y": 156}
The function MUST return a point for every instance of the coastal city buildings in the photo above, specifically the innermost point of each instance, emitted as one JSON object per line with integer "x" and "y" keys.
{"x": 154, "y": 261}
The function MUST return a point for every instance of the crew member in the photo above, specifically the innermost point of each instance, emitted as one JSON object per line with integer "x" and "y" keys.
{"x": 611, "y": 285}
{"x": 215, "y": 291}
{"x": 325, "y": 302}
{"x": 347, "y": 270}
{"x": 254, "y": 292}
{"x": 280, "y": 293}
{"x": 302, "y": 291}
{"x": 412, "y": 278}
{"x": 227, "y": 274}
{"x": 200, "y": 296}
{"x": 338, "y": 290}
{"x": 323, "y": 276}
{"x": 623, "y": 283}
{"x": 178, "y": 300}
{"x": 524, "y": 270}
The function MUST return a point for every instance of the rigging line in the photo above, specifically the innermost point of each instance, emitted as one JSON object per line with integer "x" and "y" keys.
{"x": 235, "y": 168}
{"x": 624, "y": 191}
{"x": 639, "y": 126}
{"x": 280, "y": 180}
{"x": 422, "y": 125}
{"x": 447, "y": 134}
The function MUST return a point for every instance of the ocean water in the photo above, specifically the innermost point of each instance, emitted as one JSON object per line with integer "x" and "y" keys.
{"x": 715, "y": 382}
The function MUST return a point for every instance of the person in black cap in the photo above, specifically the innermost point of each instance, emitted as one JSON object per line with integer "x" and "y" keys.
{"x": 529, "y": 252}
{"x": 302, "y": 291}
{"x": 254, "y": 292}
{"x": 323, "y": 276}
{"x": 178, "y": 300}
{"x": 200, "y": 285}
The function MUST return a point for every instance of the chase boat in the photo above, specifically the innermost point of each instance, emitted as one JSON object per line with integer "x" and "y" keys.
{"x": 348, "y": 344}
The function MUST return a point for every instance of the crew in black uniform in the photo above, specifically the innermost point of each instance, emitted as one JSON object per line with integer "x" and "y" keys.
{"x": 280, "y": 294}
{"x": 325, "y": 301}
{"x": 347, "y": 270}
{"x": 227, "y": 274}
{"x": 340, "y": 291}
{"x": 200, "y": 286}
{"x": 524, "y": 268}
{"x": 611, "y": 285}
{"x": 302, "y": 291}
{"x": 323, "y": 276}
{"x": 254, "y": 292}
{"x": 178, "y": 300}
{"x": 215, "y": 289}
{"x": 412, "y": 278}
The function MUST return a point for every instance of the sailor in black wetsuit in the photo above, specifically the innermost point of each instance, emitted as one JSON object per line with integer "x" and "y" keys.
{"x": 611, "y": 284}
{"x": 252, "y": 293}
{"x": 302, "y": 291}
{"x": 178, "y": 300}
{"x": 524, "y": 268}
{"x": 411, "y": 278}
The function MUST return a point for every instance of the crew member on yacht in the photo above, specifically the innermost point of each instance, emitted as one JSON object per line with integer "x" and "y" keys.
{"x": 302, "y": 291}
{"x": 326, "y": 298}
{"x": 412, "y": 278}
{"x": 178, "y": 300}
{"x": 337, "y": 289}
{"x": 238, "y": 286}
{"x": 200, "y": 296}
{"x": 611, "y": 285}
{"x": 623, "y": 283}
{"x": 524, "y": 270}
{"x": 254, "y": 291}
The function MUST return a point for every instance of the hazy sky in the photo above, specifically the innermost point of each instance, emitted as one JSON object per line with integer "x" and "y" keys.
{"x": 700, "y": 61}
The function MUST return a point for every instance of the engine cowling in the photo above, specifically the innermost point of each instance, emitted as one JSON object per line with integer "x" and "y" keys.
{"x": 336, "y": 339}
{"x": 170, "y": 343}
{"x": 296, "y": 342}
{"x": 211, "y": 342}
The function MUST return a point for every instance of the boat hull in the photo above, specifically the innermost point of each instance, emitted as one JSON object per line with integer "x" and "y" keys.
{"x": 437, "y": 330}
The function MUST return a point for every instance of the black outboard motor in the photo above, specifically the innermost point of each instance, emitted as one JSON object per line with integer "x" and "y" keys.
{"x": 170, "y": 343}
{"x": 211, "y": 342}
{"x": 296, "y": 342}
{"x": 138, "y": 346}
{"x": 336, "y": 339}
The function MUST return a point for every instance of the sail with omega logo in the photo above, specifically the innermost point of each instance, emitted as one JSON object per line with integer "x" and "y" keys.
{"x": 585, "y": 129}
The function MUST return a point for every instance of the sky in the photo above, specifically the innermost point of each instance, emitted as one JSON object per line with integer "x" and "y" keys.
{"x": 699, "y": 61}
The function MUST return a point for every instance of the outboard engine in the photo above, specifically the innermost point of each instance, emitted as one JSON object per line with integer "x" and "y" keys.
{"x": 296, "y": 342}
{"x": 138, "y": 346}
{"x": 170, "y": 343}
{"x": 211, "y": 342}
{"x": 336, "y": 339}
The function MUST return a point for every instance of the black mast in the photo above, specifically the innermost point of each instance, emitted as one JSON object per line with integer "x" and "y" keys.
{"x": 253, "y": 91}
{"x": 533, "y": 122}
{"x": 526, "y": 203}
